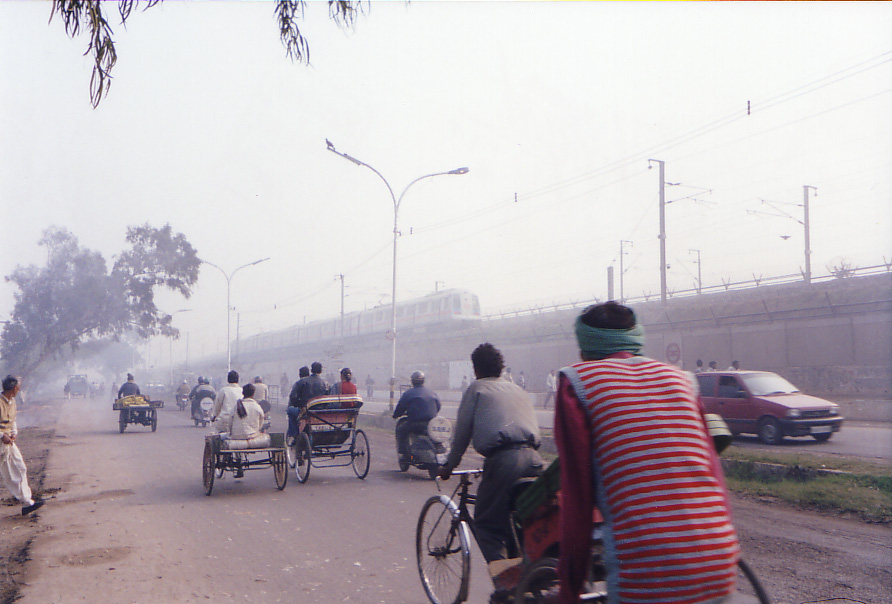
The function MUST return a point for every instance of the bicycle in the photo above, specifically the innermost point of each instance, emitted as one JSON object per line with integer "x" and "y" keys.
{"x": 443, "y": 542}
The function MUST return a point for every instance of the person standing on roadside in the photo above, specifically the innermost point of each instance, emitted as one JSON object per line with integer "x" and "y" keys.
{"x": 13, "y": 472}
{"x": 632, "y": 439}
{"x": 550, "y": 388}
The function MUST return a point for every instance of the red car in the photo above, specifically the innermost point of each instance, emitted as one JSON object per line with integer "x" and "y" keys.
{"x": 765, "y": 404}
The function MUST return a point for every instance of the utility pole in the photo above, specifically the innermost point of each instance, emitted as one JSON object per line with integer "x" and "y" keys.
{"x": 699, "y": 273}
{"x": 622, "y": 295}
{"x": 610, "y": 283}
{"x": 805, "y": 189}
{"x": 662, "y": 228}
{"x": 341, "y": 277}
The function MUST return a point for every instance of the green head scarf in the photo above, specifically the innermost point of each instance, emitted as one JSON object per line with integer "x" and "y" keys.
{"x": 596, "y": 342}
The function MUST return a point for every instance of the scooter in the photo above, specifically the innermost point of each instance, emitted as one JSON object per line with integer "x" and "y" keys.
{"x": 182, "y": 399}
{"x": 428, "y": 451}
{"x": 202, "y": 415}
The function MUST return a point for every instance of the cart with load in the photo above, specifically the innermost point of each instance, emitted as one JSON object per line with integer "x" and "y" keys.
{"x": 223, "y": 455}
{"x": 328, "y": 437}
{"x": 137, "y": 409}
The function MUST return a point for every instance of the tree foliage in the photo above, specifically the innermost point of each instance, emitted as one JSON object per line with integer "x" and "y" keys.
{"x": 77, "y": 15}
{"x": 74, "y": 298}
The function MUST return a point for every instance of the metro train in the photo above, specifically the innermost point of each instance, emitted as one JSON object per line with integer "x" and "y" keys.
{"x": 449, "y": 308}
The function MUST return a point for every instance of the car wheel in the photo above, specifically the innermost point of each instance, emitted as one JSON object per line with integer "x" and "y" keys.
{"x": 822, "y": 437}
{"x": 770, "y": 431}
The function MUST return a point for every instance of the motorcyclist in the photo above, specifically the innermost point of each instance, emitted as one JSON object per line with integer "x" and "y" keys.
{"x": 182, "y": 392}
{"x": 183, "y": 389}
{"x": 201, "y": 391}
{"x": 420, "y": 404}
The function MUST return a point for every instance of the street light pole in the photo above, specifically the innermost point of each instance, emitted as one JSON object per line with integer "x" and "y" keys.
{"x": 229, "y": 305}
{"x": 396, "y": 208}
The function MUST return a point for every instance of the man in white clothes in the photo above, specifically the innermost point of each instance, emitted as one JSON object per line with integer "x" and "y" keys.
{"x": 224, "y": 405}
{"x": 13, "y": 472}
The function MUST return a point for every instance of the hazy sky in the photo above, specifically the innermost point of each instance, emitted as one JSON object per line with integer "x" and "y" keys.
{"x": 554, "y": 107}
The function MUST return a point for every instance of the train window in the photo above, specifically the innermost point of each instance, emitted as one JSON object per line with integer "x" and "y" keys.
{"x": 422, "y": 308}
{"x": 456, "y": 304}
{"x": 400, "y": 311}
{"x": 475, "y": 305}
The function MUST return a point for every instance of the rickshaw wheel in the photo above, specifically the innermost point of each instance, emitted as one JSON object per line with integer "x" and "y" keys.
{"x": 207, "y": 473}
{"x": 280, "y": 469}
{"x": 302, "y": 457}
{"x": 122, "y": 420}
{"x": 539, "y": 582}
{"x": 361, "y": 454}
{"x": 154, "y": 420}
{"x": 291, "y": 452}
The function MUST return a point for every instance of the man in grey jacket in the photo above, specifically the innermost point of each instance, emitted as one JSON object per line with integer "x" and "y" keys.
{"x": 498, "y": 418}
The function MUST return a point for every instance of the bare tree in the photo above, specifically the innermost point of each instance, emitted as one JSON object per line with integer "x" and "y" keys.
{"x": 78, "y": 15}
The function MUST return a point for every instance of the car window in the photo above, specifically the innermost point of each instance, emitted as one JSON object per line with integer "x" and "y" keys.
{"x": 707, "y": 384}
{"x": 766, "y": 384}
{"x": 729, "y": 387}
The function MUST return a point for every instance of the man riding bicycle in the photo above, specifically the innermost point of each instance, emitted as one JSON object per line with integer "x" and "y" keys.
{"x": 498, "y": 417}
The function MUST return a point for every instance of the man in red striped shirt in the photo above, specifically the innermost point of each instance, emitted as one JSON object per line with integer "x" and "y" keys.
{"x": 633, "y": 441}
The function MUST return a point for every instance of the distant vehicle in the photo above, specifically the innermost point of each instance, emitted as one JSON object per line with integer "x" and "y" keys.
{"x": 77, "y": 385}
{"x": 765, "y": 404}
{"x": 155, "y": 391}
{"x": 448, "y": 309}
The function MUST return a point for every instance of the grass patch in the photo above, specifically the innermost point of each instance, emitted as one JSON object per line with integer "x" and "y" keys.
{"x": 834, "y": 484}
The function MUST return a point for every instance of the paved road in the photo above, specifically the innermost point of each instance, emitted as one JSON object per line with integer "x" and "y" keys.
{"x": 871, "y": 440}
{"x": 130, "y": 523}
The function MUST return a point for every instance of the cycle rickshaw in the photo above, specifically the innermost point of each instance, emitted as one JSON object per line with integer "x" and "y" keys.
{"x": 220, "y": 456}
{"x": 137, "y": 409}
{"x": 445, "y": 530}
{"x": 328, "y": 437}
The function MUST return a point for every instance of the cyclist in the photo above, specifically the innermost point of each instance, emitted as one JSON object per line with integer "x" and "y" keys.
{"x": 498, "y": 417}
{"x": 632, "y": 440}
{"x": 420, "y": 404}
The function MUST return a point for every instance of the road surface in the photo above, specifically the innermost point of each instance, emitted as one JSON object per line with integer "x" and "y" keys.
{"x": 129, "y": 522}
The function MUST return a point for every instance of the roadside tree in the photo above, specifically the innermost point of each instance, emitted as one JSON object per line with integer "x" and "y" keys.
{"x": 75, "y": 299}
{"x": 89, "y": 15}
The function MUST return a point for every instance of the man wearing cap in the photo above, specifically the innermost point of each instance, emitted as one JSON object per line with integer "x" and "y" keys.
{"x": 13, "y": 472}
{"x": 632, "y": 440}
{"x": 128, "y": 388}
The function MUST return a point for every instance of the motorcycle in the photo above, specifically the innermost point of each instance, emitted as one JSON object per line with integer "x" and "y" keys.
{"x": 182, "y": 399}
{"x": 427, "y": 451}
{"x": 202, "y": 414}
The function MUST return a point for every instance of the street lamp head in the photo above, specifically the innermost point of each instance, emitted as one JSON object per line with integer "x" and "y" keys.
{"x": 458, "y": 171}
